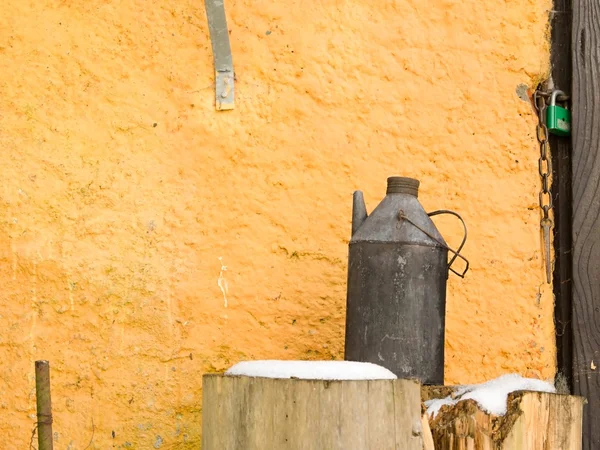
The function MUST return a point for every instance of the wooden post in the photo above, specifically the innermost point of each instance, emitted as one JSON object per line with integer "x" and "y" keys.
{"x": 560, "y": 148}
{"x": 534, "y": 421}
{"x": 44, "y": 405}
{"x": 250, "y": 413}
{"x": 585, "y": 35}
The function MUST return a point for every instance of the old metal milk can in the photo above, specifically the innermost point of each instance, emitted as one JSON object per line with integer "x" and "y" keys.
{"x": 397, "y": 272}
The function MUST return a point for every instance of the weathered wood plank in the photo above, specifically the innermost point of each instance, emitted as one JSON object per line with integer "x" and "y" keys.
{"x": 289, "y": 414}
{"x": 406, "y": 394}
{"x": 330, "y": 398}
{"x": 544, "y": 422}
{"x": 354, "y": 409}
{"x": 585, "y": 41}
{"x": 427, "y": 436}
{"x": 381, "y": 403}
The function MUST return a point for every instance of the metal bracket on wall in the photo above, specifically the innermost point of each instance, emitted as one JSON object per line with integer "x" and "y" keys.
{"x": 219, "y": 36}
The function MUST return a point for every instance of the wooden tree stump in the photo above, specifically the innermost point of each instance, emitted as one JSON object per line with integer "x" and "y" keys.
{"x": 252, "y": 413}
{"x": 534, "y": 421}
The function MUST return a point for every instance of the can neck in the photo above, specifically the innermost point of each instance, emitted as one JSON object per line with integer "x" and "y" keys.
{"x": 402, "y": 185}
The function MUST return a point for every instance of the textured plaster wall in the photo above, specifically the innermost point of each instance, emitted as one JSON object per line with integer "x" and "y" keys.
{"x": 125, "y": 197}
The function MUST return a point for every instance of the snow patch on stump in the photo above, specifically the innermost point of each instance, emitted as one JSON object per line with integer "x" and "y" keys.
{"x": 312, "y": 370}
{"x": 491, "y": 396}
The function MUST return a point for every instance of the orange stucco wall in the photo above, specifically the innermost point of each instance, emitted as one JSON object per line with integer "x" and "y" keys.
{"x": 123, "y": 193}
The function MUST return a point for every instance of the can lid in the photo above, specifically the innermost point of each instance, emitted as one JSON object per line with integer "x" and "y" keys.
{"x": 403, "y": 185}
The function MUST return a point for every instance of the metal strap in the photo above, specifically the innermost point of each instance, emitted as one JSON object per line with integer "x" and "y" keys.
{"x": 219, "y": 36}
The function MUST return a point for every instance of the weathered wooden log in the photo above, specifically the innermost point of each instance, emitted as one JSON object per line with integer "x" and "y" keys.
{"x": 251, "y": 413}
{"x": 533, "y": 421}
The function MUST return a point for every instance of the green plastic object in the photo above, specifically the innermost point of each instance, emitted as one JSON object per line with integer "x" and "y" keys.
{"x": 558, "y": 118}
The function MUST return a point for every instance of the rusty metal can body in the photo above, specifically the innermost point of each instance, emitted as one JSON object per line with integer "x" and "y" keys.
{"x": 396, "y": 297}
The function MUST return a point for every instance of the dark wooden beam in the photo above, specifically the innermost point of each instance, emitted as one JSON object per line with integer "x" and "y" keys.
{"x": 585, "y": 42}
{"x": 561, "y": 195}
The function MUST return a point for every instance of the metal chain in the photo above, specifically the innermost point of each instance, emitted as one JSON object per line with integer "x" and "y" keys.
{"x": 544, "y": 163}
{"x": 545, "y": 170}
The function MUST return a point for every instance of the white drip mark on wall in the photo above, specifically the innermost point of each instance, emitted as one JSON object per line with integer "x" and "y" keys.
{"x": 34, "y": 312}
{"x": 14, "y": 259}
{"x": 34, "y": 283}
{"x": 72, "y": 285}
{"x": 169, "y": 296}
{"x": 222, "y": 282}
{"x": 122, "y": 334}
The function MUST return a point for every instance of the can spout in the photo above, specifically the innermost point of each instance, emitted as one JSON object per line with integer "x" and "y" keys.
{"x": 359, "y": 211}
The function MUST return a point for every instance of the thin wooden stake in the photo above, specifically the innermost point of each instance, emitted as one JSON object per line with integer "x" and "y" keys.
{"x": 44, "y": 405}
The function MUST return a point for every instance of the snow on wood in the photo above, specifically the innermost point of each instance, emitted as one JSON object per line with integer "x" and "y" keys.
{"x": 508, "y": 413}
{"x": 492, "y": 395}
{"x": 312, "y": 370}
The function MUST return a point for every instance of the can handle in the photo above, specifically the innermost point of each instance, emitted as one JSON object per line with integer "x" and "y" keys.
{"x": 456, "y": 253}
{"x": 462, "y": 244}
